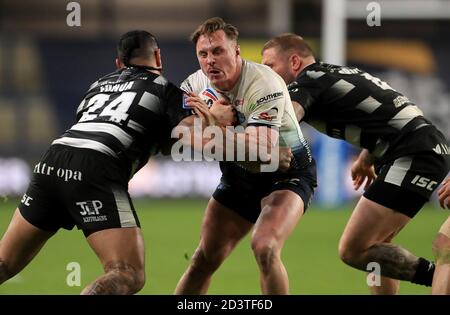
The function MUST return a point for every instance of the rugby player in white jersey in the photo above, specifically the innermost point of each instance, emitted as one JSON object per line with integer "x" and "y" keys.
{"x": 269, "y": 202}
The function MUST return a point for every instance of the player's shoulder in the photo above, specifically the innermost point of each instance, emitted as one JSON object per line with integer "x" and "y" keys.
{"x": 262, "y": 76}
{"x": 312, "y": 75}
{"x": 147, "y": 81}
{"x": 258, "y": 70}
{"x": 197, "y": 75}
{"x": 195, "y": 82}
{"x": 104, "y": 79}
{"x": 111, "y": 75}
{"x": 319, "y": 69}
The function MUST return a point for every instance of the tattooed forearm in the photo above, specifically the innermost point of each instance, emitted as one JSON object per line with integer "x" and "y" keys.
{"x": 119, "y": 279}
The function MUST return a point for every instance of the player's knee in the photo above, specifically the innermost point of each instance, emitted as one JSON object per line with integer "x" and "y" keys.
{"x": 441, "y": 248}
{"x": 131, "y": 277}
{"x": 276, "y": 198}
{"x": 266, "y": 251}
{"x": 139, "y": 279}
{"x": 206, "y": 261}
{"x": 347, "y": 253}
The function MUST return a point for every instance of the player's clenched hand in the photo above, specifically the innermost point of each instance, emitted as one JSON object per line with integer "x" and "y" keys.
{"x": 194, "y": 101}
{"x": 224, "y": 113}
{"x": 200, "y": 108}
{"x": 285, "y": 158}
{"x": 362, "y": 171}
{"x": 444, "y": 194}
{"x": 220, "y": 112}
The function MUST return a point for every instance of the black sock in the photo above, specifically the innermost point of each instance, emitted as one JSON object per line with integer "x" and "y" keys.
{"x": 424, "y": 273}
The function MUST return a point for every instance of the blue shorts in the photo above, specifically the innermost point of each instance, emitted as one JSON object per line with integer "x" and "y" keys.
{"x": 243, "y": 194}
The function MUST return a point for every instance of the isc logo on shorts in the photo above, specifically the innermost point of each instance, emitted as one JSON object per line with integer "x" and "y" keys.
{"x": 424, "y": 182}
{"x": 26, "y": 200}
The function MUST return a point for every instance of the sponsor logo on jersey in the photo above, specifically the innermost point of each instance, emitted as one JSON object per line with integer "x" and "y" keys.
{"x": 210, "y": 94}
{"x": 442, "y": 148}
{"x": 346, "y": 70}
{"x": 120, "y": 87}
{"x": 269, "y": 97}
{"x": 269, "y": 115}
{"x": 265, "y": 116}
{"x": 400, "y": 100}
{"x": 185, "y": 105}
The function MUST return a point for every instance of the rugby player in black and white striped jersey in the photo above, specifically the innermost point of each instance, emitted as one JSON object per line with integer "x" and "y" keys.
{"x": 124, "y": 118}
{"x": 410, "y": 155}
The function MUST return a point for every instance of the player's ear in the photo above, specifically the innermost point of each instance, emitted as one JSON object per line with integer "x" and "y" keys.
{"x": 295, "y": 62}
{"x": 119, "y": 64}
{"x": 158, "y": 58}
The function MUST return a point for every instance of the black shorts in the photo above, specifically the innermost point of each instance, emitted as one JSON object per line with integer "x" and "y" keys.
{"x": 82, "y": 187}
{"x": 243, "y": 193}
{"x": 406, "y": 184}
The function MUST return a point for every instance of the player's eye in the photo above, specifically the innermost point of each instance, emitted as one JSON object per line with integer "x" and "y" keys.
{"x": 217, "y": 51}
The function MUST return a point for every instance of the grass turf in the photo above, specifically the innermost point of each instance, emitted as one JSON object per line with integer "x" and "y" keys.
{"x": 171, "y": 231}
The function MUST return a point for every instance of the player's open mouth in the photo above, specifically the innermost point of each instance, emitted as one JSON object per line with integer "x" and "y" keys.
{"x": 214, "y": 72}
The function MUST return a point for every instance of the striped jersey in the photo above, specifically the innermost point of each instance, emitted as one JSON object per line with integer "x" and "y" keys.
{"x": 127, "y": 114}
{"x": 348, "y": 103}
{"x": 261, "y": 98}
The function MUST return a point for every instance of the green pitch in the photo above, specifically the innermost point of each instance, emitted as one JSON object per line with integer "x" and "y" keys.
{"x": 171, "y": 231}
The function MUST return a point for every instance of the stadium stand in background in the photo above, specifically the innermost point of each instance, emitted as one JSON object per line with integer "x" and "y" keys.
{"x": 44, "y": 71}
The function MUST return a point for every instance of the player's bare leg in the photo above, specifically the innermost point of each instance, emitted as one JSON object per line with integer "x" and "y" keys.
{"x": 280, "y": 213}
{"x": 222, "y": 229}
{"x": 363, "y": 241}
{"x": 121, "y": 252}
{"x": 19, "y": 245}
{"x": 441, "y": 249}
{"x": 388, "y": 286}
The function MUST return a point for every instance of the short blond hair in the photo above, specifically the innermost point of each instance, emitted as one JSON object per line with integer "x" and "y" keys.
{"x": 289, "y": 42}
{"x": 213, "y": 25}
